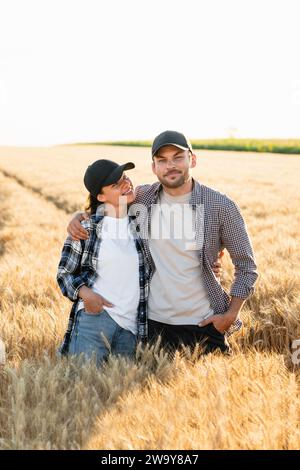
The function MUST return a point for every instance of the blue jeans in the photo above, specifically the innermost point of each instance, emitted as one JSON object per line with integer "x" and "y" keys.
{"x": 87, "y": 337}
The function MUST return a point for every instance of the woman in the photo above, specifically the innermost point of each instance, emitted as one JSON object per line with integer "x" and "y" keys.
{"x": 105, "y": 276}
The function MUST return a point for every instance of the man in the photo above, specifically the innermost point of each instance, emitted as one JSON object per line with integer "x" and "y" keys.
{"x": 184, "y": 225}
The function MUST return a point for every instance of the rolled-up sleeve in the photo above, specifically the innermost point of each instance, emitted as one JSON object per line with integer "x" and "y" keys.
{"x": 235, "y": 238}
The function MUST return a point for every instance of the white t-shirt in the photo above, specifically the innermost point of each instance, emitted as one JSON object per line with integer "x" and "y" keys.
{"x": 177, "y": 293}
{"x": 118, "y": 272}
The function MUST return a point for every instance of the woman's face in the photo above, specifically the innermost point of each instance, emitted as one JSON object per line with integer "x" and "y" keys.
{"x": 112, "y": 193}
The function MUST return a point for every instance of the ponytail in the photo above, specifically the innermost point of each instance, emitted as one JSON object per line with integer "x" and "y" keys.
{"x": 92, "y": 204}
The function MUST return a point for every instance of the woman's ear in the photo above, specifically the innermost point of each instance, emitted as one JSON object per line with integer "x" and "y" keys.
{"x": 101, "y": 198}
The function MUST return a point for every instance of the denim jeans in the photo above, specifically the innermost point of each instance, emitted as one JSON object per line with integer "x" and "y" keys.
{"x": 87, "y": 337}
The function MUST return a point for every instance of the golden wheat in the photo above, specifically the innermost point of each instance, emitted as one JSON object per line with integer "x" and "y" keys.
{"x": 247, "y": 401}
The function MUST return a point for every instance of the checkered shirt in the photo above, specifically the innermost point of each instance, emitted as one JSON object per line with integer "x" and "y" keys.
{"x": 78, "y": 267}
{"x": 219, "y": 224}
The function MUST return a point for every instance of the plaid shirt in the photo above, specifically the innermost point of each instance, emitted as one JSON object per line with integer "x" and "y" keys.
{"x": 78, "y": 267}
{"x": 219, "y": 225}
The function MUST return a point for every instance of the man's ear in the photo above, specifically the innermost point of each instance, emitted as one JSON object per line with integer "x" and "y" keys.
{"x": 193, "y": 161}
{"x": 153, "y": 167}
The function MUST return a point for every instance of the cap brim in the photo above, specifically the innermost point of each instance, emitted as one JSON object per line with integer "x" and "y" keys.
{"x": 154, "y": 151}
{"x": 117, "y": 173}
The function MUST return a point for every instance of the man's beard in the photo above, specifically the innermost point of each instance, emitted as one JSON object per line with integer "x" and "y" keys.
{"x": 176, "y": 183}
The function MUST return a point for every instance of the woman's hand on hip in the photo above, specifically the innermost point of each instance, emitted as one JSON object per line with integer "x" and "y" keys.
{"x": 93, "y": 303}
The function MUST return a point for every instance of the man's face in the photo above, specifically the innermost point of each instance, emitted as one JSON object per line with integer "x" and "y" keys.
{"x": 112, "y": 193}
{"x": 172, "y": 166}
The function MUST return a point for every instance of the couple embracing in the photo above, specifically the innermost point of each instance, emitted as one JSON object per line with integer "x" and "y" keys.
{"x": 145, "y": 263}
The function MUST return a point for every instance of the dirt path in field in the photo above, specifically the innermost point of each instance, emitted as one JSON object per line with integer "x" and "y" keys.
{"x": 59, "y": 204}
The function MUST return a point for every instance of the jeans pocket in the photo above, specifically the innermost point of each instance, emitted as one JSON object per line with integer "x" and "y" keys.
{"x": 87, "y": 314}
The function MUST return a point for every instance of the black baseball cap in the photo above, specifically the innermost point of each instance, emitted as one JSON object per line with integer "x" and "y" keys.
{"x": 171, "y": 138}
{"x": 103, "y": 173}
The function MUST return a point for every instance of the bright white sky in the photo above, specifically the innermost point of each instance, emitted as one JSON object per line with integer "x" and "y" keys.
{"x": 92, "y": 70}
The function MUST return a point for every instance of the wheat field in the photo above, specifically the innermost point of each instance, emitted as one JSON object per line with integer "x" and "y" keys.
{"x": 249, "y": 400}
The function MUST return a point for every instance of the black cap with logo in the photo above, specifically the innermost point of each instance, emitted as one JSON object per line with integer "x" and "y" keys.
{"x": 103, "y": 173}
